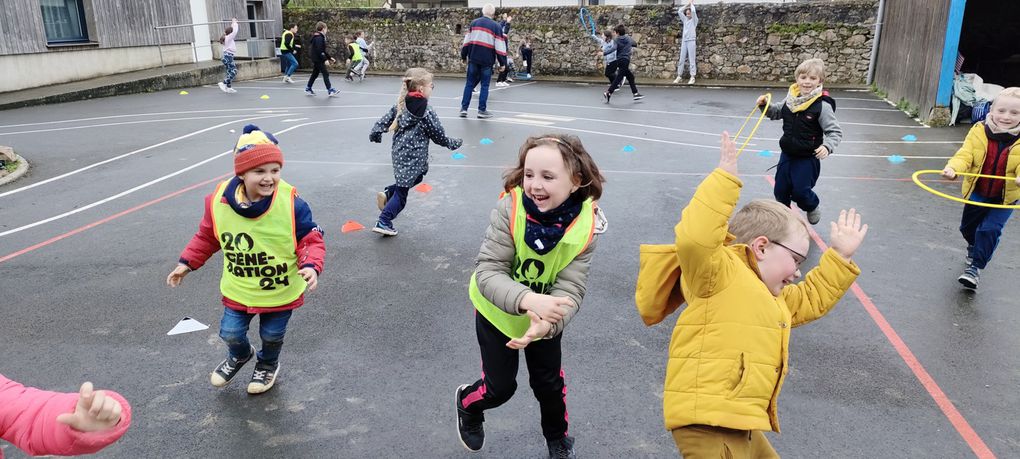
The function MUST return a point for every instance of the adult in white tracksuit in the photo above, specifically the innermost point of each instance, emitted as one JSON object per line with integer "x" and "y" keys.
{"x": 689, "y": 18}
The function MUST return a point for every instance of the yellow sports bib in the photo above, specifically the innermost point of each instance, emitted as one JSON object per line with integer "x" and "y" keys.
{"x": 529, "y": 268}
{"x": 259, "y": 254}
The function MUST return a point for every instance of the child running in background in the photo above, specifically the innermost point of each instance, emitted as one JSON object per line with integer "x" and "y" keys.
{"x": 608, "y": 53}
{"x": 989, "y": 149}
{"x": 320, "y": 59}
{"x": 229, "y": 49}
{"x": 810, "y": 134}
{"x": 623, "y": 46}
{"x": 355, "y": 56}
{"x": 272, "y": 252}
{"x": 729, "y": 354}
{"x": 530, "y": 278}
{"x": 413, "y": 123}
{"x": 41, "y": 422}
{"x": 366, "y": 48}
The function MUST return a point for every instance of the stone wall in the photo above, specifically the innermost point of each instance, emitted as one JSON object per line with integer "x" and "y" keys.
{"x": 736, "y": 41}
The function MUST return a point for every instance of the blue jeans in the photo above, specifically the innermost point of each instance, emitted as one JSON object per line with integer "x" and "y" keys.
{"x": 397, "y": 200}
{"x": 228, "y": 62}
{"x": 795, "y": 178}
{"x": 290, "y": 63}
{"x": 476, "y": 74}
{"x": 272, "y": 327}
{"x": 981, "y": 228}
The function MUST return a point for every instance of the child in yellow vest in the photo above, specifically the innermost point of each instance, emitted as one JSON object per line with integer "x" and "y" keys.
{"x": 529, "y": 280}
{"x": 272, "y": 252}
{"x": 728, "y": 355}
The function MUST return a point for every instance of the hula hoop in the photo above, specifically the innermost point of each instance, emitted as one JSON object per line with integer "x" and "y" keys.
{"x": 736, "y": 138}
{"x": 586, "y": 20}
{"x": 957, "y": 199}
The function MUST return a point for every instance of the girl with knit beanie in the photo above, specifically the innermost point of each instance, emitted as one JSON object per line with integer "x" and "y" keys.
{"x": 272, "y": 252}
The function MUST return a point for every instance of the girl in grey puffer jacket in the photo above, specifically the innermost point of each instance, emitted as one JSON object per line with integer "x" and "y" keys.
{"x": 530, "y": 277}
{"x": 413, "y": 123}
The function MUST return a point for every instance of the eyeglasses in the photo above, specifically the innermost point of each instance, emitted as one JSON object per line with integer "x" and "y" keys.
{"x": 797, "y": 257}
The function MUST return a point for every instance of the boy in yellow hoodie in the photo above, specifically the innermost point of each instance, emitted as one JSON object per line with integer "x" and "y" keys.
{"x": 729, "y": 352}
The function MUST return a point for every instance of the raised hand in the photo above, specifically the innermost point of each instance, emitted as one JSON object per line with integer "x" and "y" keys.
{"x": 847, "y": 233}
{"x": 728, "y": 154}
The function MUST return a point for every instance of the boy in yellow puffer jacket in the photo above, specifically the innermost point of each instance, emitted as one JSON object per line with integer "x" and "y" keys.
{"x": 729, "y": 352}
{"x": 990, "y": 149}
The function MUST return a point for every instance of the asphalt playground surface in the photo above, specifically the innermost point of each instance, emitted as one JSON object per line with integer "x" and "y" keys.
{"x": 907, "y": 365}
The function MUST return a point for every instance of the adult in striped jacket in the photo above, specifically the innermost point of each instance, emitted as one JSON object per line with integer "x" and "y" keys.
{"x": 484, "y": 46}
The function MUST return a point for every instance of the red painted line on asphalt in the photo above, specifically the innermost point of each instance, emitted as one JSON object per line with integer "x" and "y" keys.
{"x": 107, "y": 219}
{"x": 961, "y": 425}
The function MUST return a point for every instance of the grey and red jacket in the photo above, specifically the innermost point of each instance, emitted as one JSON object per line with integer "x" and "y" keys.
{"x": 311, "y": 248}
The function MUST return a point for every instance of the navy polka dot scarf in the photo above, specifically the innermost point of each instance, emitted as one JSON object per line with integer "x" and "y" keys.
{"x": 544, "y": 230}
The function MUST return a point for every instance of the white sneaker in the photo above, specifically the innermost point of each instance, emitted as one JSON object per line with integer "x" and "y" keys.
{"x": 231, "y": 90}
{"x": 223, "y": 87}
{"x": 691, "y": 81}
{"x": 677, "y": 80}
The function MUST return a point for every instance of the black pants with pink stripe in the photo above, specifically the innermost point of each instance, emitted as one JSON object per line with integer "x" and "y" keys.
{"x": 499, "y": 377}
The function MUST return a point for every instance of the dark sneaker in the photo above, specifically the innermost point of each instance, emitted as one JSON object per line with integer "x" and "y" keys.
{"x": 607, "y": 95}
{"x": 384, "y": 229}
{"x": 380, "y": 200}
{"x": 814, "y": 216}
{"x": 309, "y": 91}
{"x": 484, "y": 114}
{"x": 263, "y": 378}
{"x": 463, "y": 113}
{"x": 970, "y": 277}
{"x": 562, "y": 448}
{"x": 228, "y": 368}
{"x": 469, "y": 426}
{"x": 638, "y": 96}
{"x": 333, "y": 92}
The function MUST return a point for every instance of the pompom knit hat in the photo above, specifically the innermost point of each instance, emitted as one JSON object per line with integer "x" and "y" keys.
{"x": 254, "y": 148}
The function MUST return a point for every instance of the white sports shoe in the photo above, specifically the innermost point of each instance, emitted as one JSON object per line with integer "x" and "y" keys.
{"x": 691, "y": 81}
{"x": 677, "y": 80}
{"x": 223, "y": 87}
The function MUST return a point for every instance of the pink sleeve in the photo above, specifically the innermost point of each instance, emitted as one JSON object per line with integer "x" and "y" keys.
{"x": 28, "y": 419}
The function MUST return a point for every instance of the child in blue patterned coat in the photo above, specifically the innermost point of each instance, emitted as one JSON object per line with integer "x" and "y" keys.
{"x": 413, "y": 124}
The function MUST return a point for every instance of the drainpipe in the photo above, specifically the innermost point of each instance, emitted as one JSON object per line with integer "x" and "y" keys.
{"x": 874, "y": 42}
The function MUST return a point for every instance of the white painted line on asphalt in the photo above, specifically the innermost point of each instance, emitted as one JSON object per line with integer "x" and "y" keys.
{"x": 146, "y": 184}
{"x": 521, "y": 121}
{"x": 123, "y": 123}
{"x": 544, "y": 117}
{"x": 870, "y": 109}
{"x": 516, "y": 85}
{"x": 291, "y": 120}
{"x": 94, "y": 118}
{"x": 608, "y": 171}
{"x": 125, "y": 155}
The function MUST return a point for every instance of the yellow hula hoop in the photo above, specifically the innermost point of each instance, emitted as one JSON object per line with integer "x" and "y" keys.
{"x": 768, "y": 101}
{"x": 957, "y": 199}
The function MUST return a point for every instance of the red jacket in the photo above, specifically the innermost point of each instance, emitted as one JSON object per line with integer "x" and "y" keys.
{"x": 28, "y": 419}
{"x": 311, "y": 248}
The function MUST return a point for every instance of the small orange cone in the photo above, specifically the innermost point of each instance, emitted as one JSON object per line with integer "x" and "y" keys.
{"x": 423, "y": 188}
{"x": 350, "y": 226}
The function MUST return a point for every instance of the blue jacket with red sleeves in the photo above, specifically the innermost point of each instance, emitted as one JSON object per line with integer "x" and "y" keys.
{"x": 311, "y": 248}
